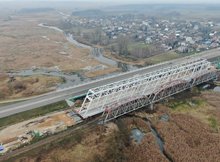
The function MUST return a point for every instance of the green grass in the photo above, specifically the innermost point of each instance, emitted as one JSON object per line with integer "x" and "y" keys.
{"x": 32, "y": 113}
{"x": 217, "y": 83}
{"x": 163, "y": 57}
{"x": 10, "y": 102}
{"x": 185, "y": 104}
{"x": 166, "y": 56}
{"x": 134, "y": 45}
{"x": 213, "y": 123}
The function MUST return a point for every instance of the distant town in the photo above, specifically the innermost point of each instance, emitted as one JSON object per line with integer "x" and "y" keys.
{"x": 183, "y": 36}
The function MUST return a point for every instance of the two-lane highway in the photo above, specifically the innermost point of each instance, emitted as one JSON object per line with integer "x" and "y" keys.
{"x": 82, "y": 89}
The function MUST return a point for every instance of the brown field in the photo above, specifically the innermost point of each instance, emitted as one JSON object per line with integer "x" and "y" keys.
{"x": 79, "y": 148}
{"x": 148, "y": 149}
{"x": 24, "y": 44}
{"x": 109, "y": 144}
{"x": 193, "y": 133}
{"x": 92, "y": 74}
{"x": 188, "y": 139}
{"x": 206, "y": 105}
{"x": 17, "y": 87}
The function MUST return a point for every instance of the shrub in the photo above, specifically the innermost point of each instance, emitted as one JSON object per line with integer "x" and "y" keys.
{"x": 19, "y": 86}
{"x": 213, "y": 123}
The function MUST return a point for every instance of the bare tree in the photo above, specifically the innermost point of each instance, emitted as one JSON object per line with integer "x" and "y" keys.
{"x": 78, "y": 31}
{"x": 97, "y": 36}
{"x": 123, "y": 45}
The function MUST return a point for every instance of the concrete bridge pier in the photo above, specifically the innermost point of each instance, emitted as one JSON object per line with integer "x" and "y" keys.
{"x": 151, "y": 106}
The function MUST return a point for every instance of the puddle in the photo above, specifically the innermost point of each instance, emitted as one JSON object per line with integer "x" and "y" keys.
{"x": 137, "y": 135}
{"x": 216, "y": 89}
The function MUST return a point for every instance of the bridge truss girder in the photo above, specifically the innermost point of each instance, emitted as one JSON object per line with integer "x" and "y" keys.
{"x": 150, "y": 99}
{"x": 124, "y": 96}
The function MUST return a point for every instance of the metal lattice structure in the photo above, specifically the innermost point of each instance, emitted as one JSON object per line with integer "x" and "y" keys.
{"x": 124, "y": 96}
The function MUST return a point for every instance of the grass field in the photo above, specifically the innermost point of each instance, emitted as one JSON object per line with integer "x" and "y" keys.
{"x": 20, "y": 87}
{"x": 24, "y": 45}
{"x": 163, "y": 57}
{"x": 203, "y": 106}
{"x": 170, "y": 55}
{"x": 6, "y": 121}
{"x": 133, "y": 45}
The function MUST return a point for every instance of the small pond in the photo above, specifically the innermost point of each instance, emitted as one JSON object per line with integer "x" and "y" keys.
{"x": 217, "y": 89}
{"x": 137, "y": 135}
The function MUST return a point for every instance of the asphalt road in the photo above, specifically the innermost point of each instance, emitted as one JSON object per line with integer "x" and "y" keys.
{"x": 82, "y": 89}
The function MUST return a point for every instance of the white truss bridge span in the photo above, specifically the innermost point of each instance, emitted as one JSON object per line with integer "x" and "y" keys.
{"x": 119, "y": 98}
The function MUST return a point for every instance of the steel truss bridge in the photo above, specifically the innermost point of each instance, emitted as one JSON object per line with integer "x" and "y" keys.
{"x": 122, "y": 97}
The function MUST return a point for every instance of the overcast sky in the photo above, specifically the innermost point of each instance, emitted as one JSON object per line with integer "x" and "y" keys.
{"x": 160, "y": 1}
{"x": 133, "y": 1}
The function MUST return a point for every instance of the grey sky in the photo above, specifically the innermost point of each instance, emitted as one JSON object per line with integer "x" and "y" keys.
{"x": 157, "y": 1}
{"x": 130, "y": 1}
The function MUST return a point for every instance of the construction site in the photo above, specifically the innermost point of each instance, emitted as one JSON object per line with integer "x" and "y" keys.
{"x": 14, "y": 136}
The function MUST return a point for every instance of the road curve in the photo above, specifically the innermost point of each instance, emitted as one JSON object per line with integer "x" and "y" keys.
{"x": 60, "y": 95}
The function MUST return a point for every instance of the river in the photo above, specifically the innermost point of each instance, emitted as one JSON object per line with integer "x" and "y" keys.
{"x": 74, "y": 79}
{"x": 69, "y": 79}
{"x": 96, "y": 53}
{"x": 159, "y": 139}
{"x": 138, "y": 135}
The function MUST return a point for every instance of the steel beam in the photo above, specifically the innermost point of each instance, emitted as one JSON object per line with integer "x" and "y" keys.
{"x": 127, "y": 95}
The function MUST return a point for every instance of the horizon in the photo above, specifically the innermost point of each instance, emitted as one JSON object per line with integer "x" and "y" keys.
{"x": 121, "y": 2}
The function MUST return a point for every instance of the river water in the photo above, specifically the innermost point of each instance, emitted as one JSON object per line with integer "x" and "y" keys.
{"x": 159, "y": 140}
{"x": 74, "y": 79}
{"x": 137, "y": 135}
{"x": 69, "y": 79}
{"x": 96, "y": 53}
{"x": 217, "y": 89}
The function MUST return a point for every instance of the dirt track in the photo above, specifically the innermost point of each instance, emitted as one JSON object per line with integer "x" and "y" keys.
{"x": 57, "y": 138}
